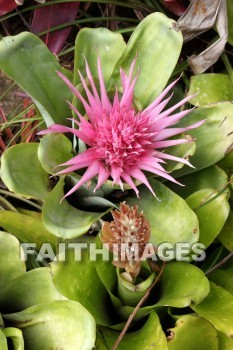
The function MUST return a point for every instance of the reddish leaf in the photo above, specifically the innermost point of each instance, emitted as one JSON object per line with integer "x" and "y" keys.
{"x": 7, "y": 6}
{"x": 178, "y": 7}
{"x": 47, "y": 17}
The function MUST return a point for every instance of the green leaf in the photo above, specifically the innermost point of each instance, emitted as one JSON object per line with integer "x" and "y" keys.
{"x": 64, "y": 324}
{"x": 93, "y": 43}
{"x": 77, "y": 279}
{"x": 181, "y": 284}
{"x": 170, "y": 217}
{"x": 227, "y": 163}
{"x": 108, "y": 276}
{"x": 193, "y": 333}
{"x": 16, "y": 336}
{"x": 28, "y": 61}
{"x": 223, "y": 278}
{"x": 62, "y": 219}
{"x": 31, "y": 288}
{"x": 212, "y": 177}
{"x": 26, "y": 228}
{"x": 11, "y": 266}
{"x": 3, "y": 342}
{"x": 211, "y": 88}
{"x": 157, "y": 46}
{"x": 212, "y": 211}
{"x": 22, "y": 172}
{"x": 226, "y": 234}
{"x": 224, "y": 342}
{"x": 213, "y": 139}
{"x": 54, "y": 149}
{"x": 130, "y": 293}
{"x": 217, "y": 308}
{"x": 149, "y": 336}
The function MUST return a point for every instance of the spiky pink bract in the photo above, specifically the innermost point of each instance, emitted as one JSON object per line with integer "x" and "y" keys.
{"x": 122, "y": 142}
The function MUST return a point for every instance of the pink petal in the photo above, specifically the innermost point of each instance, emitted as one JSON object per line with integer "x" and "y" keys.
{"x": 157, "y": 101}
{"x": 91, "y": 81}
{"x": 58, "y": 128}
{"x": 154, "y": 113}
{"x": 94, "y": 104}
{"x": 176, "y": 159}
{"x": 104, "y": 97}
{"x": 138, "y": 175}
{"x": 75, "y": 92}
{"x": 171, "y": 120}
{"x": 177, "y": 105}
{"x": 127, "y": 97}
{"x": 169, "y": 143}
{"x": 87, "y": 155}
{"x": 166, "y": 133}
{"x": 160, "y": 173}
{"x": 102, "y": 177}
{"x": 91, "y": 171}
{"x": 130, "y": 182}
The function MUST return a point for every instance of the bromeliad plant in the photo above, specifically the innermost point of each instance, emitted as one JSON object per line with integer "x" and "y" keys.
{"x": 119, "y": 124}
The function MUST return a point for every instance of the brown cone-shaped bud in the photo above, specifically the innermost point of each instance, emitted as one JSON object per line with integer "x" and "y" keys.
{"x": 126, "y": 236}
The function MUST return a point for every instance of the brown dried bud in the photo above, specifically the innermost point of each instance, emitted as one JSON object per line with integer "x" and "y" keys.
{"x": 126, "y": 236}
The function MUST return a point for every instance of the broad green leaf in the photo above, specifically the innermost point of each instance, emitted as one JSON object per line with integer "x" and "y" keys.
{"x": 150, "y": 336}
{"x": 11, "y": 266}
{"x": 213, "y": 139}
{"x": 211, "y": 88}
{"x": 76, "y": 278}
{"x": 16, "y": 337}
{"x": 131, "y": 293}
{"x": 227, "y": 163}
{"x": 157, "y": 46}
{"x": 28, "y": 61}
{"x": 217, "y": 308}
{"x": 226, "y": 234}
{"x": 108, "y": 276}
{"x": 224, "y": 342}
{"x": 223, "y": 278}
{"x": 93, "y": 43}
{"x": 170, "y": 217}
{"x": 62, "y": 219}
{"x": 22, "y": 172}
{"x": 212, "y": 211}
{"x": 181, "y": 284}
{"x": 54, "y": 149}
{"x": 193, "y": 333}
{"x": 31, "y": 288}
{"x": 212, "y": 177}
{"x": 3, "y": 342}
{"x": 27, "y": 229}
{"x": 60, "y": 324}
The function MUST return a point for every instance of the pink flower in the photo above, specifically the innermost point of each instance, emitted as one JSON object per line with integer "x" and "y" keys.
{"x": 122, "y": 142}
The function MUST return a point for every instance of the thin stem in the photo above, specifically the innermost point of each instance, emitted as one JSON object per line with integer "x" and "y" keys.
{"x": 228, "y": 66}
{"x": 7, "y": 204}
{"x": 130, "y": 319}
{"x": 87, "y": 20}
{"x": 222, "y": 262}
{"x": 13, "y": 195}
{"x": 7, "y": 90}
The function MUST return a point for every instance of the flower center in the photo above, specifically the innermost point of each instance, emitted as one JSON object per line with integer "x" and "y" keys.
{"x": 122, "y": 137}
